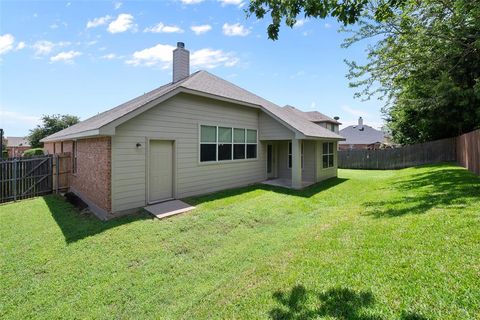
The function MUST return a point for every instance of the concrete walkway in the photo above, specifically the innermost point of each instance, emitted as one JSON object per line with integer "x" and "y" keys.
{"x": 168, "y": 208}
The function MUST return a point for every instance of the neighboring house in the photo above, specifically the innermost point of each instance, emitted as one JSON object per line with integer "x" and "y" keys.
{"x": 16, "y": 146}
{"x": 195, "y": 135}
{"x": 362, "y": 136}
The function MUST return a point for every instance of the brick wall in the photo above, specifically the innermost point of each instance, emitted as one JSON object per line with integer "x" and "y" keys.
{"x": 93, "y": 176}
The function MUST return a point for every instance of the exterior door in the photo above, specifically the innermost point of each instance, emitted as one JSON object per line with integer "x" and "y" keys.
{"x": 160, "y": 175}
{"x": 270, "y": 161}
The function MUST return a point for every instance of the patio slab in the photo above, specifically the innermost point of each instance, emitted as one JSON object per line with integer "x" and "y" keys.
{"x": 168, "y": 208}
{"x": 286, "y": 183}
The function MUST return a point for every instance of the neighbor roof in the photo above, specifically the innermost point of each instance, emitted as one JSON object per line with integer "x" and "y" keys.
{"x": 17, "y": 142}
{"x": 313, "y": 116}
{"x": 200, "y": 82}
{"x": 361, "y": 134}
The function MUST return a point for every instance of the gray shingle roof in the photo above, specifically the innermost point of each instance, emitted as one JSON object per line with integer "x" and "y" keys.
{"x": 17, "y": 142}
{"x": 356, "y": 135}
{"x": 313, "y": 116}
{"x": 202, "y": 82}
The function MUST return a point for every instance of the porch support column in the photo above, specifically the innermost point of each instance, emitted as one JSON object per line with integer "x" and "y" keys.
{"x": 296, "y": 164}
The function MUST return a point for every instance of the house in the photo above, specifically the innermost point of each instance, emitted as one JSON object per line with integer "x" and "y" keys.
{"x": 16, "y": 146}
{"x": 195, "y": 135}
{"x": 361, "y": 136}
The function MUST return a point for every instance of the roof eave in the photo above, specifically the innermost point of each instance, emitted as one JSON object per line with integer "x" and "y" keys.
{"x": 74, "y": 136}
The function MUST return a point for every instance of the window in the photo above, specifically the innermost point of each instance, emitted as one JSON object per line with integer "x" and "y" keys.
{"x": 225, "y": 143}
{"x": 328, "y": 154}
{"x": 74, "y": 158}
{"x": 238, "y": 144}
{"x": 251, "y": 144}
{"x": 290, "y": 154}
{"x": 332, "y": 127}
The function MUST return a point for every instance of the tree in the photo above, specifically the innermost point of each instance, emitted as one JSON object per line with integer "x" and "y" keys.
{"x": 346, "y": 12}
{"x": 50, "y": 125}
{"x": 425, "y": 64}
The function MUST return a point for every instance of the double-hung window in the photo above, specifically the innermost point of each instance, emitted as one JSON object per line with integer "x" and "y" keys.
{"x": 290, "y": 155}
{"x": 208, "y": 143}
{"x": 226, "y": 143}
{"x": 328, "y": 155}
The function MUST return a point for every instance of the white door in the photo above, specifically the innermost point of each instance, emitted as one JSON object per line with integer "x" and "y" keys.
{"x": 160, "y": 171}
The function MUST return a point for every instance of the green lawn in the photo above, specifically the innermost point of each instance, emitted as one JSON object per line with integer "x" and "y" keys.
{"x": 368, "y": 245}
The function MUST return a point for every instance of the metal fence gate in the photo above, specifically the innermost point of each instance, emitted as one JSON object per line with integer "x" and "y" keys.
{"x": 25, "y": 178}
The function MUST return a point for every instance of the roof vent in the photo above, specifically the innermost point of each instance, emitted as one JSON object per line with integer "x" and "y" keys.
{"x": 181, "y": 62}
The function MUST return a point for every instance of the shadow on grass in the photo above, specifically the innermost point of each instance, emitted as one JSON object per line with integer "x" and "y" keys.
{"x": 76, "y": 226}
{"x": 305, "y": 193}
{"x": 441, "y": 187}
{"x": 336, "y": 303}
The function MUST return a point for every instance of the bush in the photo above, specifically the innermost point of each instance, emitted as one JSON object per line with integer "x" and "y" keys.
{"x": 34, "y": 152}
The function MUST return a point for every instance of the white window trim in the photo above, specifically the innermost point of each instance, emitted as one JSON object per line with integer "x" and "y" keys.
{"x": 216, "y": 161}
{"x": 329, "y": 153}
{"x": 289, "y": 154}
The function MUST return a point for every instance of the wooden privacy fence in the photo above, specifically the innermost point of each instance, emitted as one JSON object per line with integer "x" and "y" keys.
{"x": 413, "y": 155}
{"x": 468, "y": 151}
{"x": 22, "y": 178}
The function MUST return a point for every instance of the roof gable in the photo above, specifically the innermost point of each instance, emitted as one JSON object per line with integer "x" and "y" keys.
{"x": 200, "y": 82}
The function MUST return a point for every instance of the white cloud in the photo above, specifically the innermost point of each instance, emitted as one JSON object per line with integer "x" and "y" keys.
{"x": 117, "y": 5}
{"x": 161, "y": 55}
{"x": 300, "y": 23}
{"x": 208, "y": 58}
{"x": 20, "y": 45}
{"x": 191, "y": 1}
{"x": 162, "y": 28}
{"x": 328, "y": 25}
{"x": 235, "y": 30}
{"x": 54, "y": 26}
{"x": 66, "y": 56}
{"x": 201, "y": 29}
{"x": 43, "y": 47}
{"x": 68, "y": 4}
{"x": 98, "y": 21}
{"x": 109, "y": 56}
{"x": 6, "y": 43}
{"x": 238, "y": 3}
{"x": 123, "y": 23}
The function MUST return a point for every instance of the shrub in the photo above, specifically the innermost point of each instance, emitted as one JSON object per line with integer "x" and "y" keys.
{"x": 34, "y": 152}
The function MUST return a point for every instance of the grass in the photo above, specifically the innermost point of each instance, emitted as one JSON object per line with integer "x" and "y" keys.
{"x": 368, "y": 245}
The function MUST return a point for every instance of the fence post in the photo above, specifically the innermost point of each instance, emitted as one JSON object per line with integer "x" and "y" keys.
{"x": 57, "y": 170}
{"x": 14, "y": 179}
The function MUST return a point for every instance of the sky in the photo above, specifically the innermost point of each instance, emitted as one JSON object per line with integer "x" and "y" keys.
{"x": 85, "y": 57}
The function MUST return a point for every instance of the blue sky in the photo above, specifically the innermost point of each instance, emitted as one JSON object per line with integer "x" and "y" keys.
{"x": 85, "y": 57}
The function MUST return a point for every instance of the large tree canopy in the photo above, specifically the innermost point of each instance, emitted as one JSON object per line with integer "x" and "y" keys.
{"x": 50, "y": 125}
{"x": 426, "y": 64}
{"x": 345, "y": 11}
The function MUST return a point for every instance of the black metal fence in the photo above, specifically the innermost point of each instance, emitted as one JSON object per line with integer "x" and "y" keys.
{"x": 413, "y": 155}
{"x": 23, "y": 178}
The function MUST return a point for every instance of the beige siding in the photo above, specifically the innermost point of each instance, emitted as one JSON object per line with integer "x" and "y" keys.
{"x": 270, "y": 129}
{"x": 327, "y": 173}
{"x": 178, "y": 119}
{"x": 309, "y": 170}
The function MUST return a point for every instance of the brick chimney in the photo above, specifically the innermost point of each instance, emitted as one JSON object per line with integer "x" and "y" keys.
{"x": 181, "y": 62}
